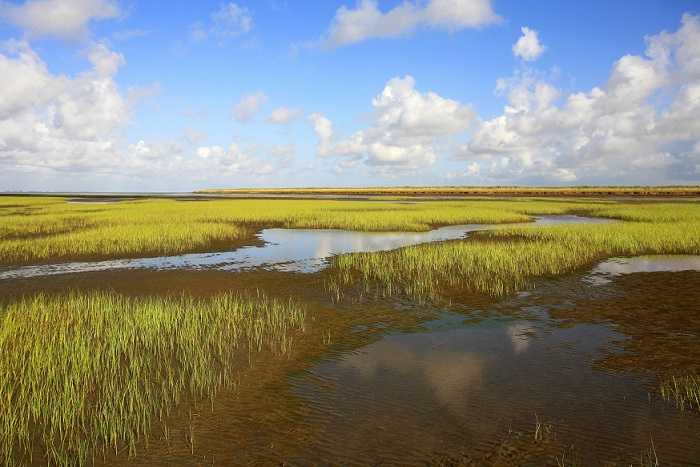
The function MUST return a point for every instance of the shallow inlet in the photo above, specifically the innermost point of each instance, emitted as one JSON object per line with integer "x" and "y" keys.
{"x": 291, "y": 250}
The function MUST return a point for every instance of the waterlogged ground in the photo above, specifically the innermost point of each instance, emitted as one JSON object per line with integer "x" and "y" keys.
{"x": 472, "y": 381}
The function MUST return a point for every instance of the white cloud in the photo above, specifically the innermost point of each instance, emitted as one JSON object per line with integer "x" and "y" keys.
{"x": 283, "y": 115}
{"x": 323, "y": 128}
{"x": 230, "y": 20}
{"x": 528, "y": 46}
{"x": 367, "y": 21}
{"x": 641, "y": 126}
{"x": 249, "y": 105}
{"x": 66, "y": 19}
{"x": 56, "y": 121}
{"x": 75, "y": 126}
{"x": 104, "y": 61}
{"x": 407, "y": 130}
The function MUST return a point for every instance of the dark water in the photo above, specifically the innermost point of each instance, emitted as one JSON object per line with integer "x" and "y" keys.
{"x": 459, "y": 384}
{"x": 292, "y": 250}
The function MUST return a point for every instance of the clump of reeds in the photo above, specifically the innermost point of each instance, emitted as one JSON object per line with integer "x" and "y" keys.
{"x": 684, "y": 391}
{"x": 87, "y": 370}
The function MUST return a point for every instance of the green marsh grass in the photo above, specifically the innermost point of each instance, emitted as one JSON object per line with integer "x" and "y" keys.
{"x": 505, "y": 260}
{"x": 84, "y": 371}
{"x": 36, "y": 230}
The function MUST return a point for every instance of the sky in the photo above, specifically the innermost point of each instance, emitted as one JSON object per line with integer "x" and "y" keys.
{"x": 129, "y": 95}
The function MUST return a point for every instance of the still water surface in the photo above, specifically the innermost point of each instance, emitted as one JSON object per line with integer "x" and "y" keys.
{"x": 460, "y": 384}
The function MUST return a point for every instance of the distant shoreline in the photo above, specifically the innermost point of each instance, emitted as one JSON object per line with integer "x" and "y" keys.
{"x": 428, "y": 192}
{"x": 635, "y": 191}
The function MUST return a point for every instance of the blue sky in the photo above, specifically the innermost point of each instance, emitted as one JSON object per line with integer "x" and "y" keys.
{"x": 178, "y": 95}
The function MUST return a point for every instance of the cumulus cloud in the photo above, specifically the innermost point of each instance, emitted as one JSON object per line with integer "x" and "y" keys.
{"x": 230, "y": 20}
{"x": 283, "y": 115}
{"x": 65, "y": 19}
{"x": 528, "y": 46}
{"x": 641, "y": 126}
{"x": 75, "y": 125}
{"x": 367, "y": 21}
{"x": 54, "y": 120}
{"x": 323, "y": 128}
{"x": 407, "y": 129}
{"x": 249, "y": 105}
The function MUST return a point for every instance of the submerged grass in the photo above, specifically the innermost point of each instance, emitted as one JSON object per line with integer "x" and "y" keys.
{"x": 505, "y": 260}
{"x": 83, "y": 371}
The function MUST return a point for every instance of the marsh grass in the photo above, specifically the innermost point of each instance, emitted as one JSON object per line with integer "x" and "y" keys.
{"x": 40, "y": 229}
{"x": 649, "y": 458}
{"x": 119, "y": 241}
{"x": 505, "y": 260}
{"x": 82, "y": 371}
{"x": 684, "y": 391}
{"x": 34, "y": 230}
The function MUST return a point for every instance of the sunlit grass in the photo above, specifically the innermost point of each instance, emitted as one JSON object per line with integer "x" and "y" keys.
{"x": 41, "y": 229}
{"x": 505, "y": 260}
{"x": 83, "y": 371}
{"x": 117, "y": 241}
{"x": 34, "y": 230}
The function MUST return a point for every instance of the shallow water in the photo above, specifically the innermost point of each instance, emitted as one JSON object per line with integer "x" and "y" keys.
{"x": 605, "y": 271}
{"x": 291, "y": 250}
{"x": 459, "y": 385}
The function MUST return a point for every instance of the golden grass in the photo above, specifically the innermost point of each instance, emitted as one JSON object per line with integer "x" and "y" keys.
{"x": 684, "y": 391}
{"x": 49, "y": 229}
{"x": 505, "y": 260}
{"x": 83, "y": 371}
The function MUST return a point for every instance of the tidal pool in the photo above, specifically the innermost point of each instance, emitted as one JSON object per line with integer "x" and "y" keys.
{"x": 461, "y": 382}
{"x": 291, "y": 250}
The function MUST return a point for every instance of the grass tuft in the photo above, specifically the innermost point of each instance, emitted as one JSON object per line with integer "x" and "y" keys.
{"x": 684, "y": 391}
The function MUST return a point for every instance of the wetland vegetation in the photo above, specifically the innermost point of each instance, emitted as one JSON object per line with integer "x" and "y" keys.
{"x": 115, "y": 367}
{"x": 502, "y": 261}
{"x": 95, "y": 370}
